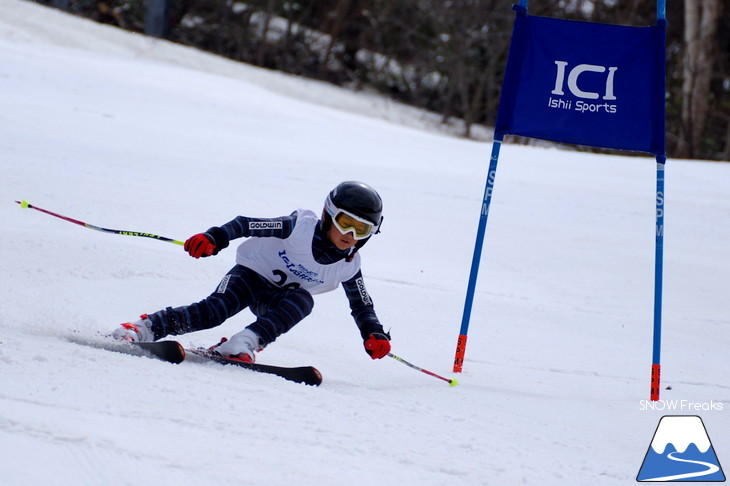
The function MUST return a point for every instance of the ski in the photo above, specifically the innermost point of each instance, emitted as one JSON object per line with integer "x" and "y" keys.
{"x": 169, "y": 351}
{"x": 173, "y": 352}
{"x": 307, "y": 375}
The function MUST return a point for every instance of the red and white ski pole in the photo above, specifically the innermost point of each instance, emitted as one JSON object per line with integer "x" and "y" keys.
{"x": 450, "y": 381}
{"x": 27, "y": 205}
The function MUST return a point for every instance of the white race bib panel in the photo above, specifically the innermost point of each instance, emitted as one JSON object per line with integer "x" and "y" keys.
{"x": 289, "y": 263}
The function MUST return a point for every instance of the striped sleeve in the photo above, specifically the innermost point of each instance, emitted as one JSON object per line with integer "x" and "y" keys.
{"x": 361, "y": 306}
{"x": 244, "y": 227}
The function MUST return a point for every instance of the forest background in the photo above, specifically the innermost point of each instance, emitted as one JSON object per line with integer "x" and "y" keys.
{"x": 447, "y": 56}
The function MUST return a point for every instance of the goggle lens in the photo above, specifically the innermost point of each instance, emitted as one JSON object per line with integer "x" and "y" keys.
{"x": 347, "y": 223}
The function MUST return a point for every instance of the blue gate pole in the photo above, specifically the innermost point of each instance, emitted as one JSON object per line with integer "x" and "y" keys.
{"x": 658, "y": 278}
{"x": 661, "y": 159}
{"x": 661, "y": 10}
{"x": 461, "y": 343}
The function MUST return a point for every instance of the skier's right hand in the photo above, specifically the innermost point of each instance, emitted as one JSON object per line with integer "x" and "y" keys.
{"x": 200, "y": 245}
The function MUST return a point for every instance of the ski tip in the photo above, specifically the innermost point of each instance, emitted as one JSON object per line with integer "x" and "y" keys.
{"x": 181, "y": 350}
{"x": 23, "y": 204}
{"x": 318, "y": 377}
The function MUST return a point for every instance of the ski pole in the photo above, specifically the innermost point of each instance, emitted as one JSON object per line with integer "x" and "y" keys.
{"x": 27, "y": 205}
{"x": 451, "y": 382}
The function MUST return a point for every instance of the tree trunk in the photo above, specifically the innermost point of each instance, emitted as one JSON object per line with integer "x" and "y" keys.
{"x": 263, "y": 41}
{"x": 700, "y": 34}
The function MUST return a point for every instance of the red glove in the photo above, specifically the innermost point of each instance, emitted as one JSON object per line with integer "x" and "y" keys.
{"x": 200, "y": 245}
{"x": 377, "y": 345}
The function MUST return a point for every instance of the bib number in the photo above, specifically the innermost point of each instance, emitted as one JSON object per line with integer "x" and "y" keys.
{"x": 282, "y": 281}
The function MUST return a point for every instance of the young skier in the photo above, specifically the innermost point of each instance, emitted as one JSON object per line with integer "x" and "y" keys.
{"x": 278, "y": 268}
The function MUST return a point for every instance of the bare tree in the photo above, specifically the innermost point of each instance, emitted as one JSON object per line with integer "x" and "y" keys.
{"x": 447, "y": 56}
{"x": 700, "y": 34}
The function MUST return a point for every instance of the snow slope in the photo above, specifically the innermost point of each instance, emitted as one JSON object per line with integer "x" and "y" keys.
{"x": 127, "y": 132}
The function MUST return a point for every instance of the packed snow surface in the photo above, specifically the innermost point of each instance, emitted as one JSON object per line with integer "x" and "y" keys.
{"x": 122, "y": 131}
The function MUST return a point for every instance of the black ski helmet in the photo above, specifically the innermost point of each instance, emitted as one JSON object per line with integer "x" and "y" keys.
{"x": 357, "y": 198}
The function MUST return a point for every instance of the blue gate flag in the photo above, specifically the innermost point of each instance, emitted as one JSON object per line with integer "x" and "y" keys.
{"x": 585, "y": 83}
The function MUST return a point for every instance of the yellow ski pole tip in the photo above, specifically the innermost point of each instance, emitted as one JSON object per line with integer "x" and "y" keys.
{"x": 453, "y": 382}
{"x": 24, "y": 204}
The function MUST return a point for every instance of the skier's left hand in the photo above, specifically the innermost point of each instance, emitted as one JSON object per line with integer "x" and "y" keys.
{"x": 377, "y": 345}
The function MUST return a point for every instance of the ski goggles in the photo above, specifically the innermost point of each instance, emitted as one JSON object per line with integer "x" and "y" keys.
{"x": 349, "y": 223}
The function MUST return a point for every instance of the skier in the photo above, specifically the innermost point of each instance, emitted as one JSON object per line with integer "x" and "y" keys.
{"x": 283, "y": 263}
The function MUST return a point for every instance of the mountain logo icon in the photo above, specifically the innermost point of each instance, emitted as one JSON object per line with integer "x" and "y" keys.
{"x": 681, "y": 451}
